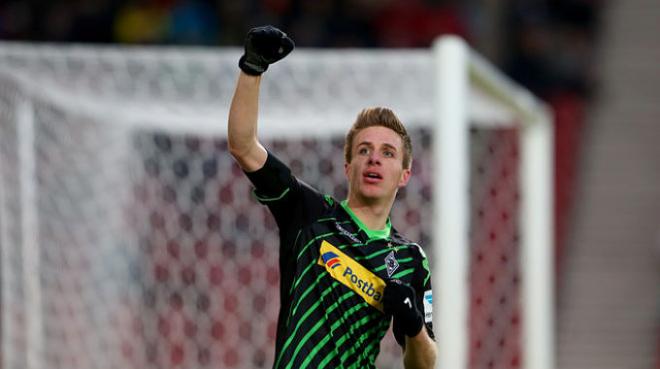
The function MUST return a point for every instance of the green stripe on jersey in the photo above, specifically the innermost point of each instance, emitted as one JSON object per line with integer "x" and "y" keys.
{"x": 304, "y": 248}
{"x": 373, "y": 331}
{"x": 312, "y": 308}
{"x": 333, "y": 327}
{"x": 309, "y": 334}
{"x": 403, "y": 273}
{"x": 268, "y": 199}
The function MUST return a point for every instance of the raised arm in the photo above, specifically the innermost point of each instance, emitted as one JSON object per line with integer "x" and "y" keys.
{"x": 263, "y": 46}
{"x": 242, "y": 128}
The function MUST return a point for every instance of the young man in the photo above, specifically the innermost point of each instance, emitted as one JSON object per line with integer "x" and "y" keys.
{"x": 345, "y": 271}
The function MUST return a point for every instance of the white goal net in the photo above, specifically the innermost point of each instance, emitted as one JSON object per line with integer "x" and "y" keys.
{"x": 129, "y": 237}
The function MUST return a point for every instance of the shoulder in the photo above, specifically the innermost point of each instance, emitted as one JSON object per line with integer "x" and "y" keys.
{"x": 314, "y": 204}
{"x": 330, "y": 201}
{"x": 414, "y": 247}
{"x": 313, "y": 194}
{"x": 331, "y": 206}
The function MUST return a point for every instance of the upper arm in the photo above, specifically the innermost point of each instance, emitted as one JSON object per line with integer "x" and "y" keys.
{"x": 242, "y": 124}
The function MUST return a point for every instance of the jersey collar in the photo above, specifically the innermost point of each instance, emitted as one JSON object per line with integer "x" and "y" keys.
{"x": 371, "y": 233}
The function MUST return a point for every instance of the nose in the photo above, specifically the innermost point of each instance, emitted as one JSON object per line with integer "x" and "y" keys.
{"x": 374, "y": 158}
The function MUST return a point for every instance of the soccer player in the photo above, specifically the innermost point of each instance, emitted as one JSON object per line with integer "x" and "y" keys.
{"x": 345, "y": 271}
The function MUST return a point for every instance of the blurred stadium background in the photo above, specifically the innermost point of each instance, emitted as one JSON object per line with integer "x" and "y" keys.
{"x": 595, "y": 62}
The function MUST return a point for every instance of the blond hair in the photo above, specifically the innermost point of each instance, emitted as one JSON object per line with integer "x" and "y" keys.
{"x": 383, "y": 117}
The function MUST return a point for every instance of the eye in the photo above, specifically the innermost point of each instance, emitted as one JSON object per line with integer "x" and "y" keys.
{"x": 363, "y": 151}
{"x": 388, "y": 154}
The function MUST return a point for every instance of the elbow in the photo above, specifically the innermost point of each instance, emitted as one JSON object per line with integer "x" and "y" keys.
{"x": 235, "y": 150}
{"x": 250, "y": 157}
{"x": 239, "y": 150}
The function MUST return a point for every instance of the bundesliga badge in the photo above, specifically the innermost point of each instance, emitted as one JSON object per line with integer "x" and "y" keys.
{"x": 391, "y": 264}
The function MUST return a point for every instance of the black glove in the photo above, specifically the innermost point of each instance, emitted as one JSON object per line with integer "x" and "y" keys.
{"x": 264, "y": 46}
{"x": 399, "y": 300}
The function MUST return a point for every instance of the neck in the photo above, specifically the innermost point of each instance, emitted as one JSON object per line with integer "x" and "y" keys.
{"x": 373, "y": 215}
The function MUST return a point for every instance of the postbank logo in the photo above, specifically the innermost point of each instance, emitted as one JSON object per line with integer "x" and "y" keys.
{"x": 331, "y": 260}
{"x": 351, "y": 274}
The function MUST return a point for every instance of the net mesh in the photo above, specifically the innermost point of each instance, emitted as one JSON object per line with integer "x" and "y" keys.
{"x": 152, "y": 252}
{"x": 494, "y": 318}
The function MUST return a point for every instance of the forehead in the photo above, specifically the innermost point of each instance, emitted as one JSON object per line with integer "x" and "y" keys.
{"x": 378, "y": 135}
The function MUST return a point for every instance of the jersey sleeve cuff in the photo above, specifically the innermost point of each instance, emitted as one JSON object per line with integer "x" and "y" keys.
{"x": 272, "y": 182}
{"x": 267, "y": 199}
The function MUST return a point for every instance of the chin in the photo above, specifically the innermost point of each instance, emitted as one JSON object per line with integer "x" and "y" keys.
{"x": 373, "y": 196}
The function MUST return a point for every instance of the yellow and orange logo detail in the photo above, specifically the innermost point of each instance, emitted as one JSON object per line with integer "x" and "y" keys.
{"x": 351, "y": 274}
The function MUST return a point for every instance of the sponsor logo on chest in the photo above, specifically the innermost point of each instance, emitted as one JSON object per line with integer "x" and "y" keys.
{"x": 353, "y": 275}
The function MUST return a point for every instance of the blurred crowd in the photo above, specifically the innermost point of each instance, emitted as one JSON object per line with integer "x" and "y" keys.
{"x": 544, "y": 44}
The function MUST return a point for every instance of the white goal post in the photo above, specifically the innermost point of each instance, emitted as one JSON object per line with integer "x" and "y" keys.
{"x": 459, "y": 69}
{"x": 126, "y": 231}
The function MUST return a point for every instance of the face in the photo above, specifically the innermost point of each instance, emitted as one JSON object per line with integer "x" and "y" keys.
{"x": 376, "y": 171}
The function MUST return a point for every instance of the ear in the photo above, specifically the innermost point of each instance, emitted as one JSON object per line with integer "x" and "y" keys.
{"x": 405, "y": 177}
{"x": 346, "y": 169}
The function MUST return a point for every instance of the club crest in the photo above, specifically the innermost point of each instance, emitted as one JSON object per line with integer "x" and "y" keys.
{"x": 391, "y": 264}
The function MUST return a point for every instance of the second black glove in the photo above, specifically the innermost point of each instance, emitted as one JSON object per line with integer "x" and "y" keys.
{"x": 399, "y": 300}
{"x": 264, "y": 46}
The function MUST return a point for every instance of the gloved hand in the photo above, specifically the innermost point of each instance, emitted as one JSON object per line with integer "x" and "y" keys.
{"x": 399, "y": 300}
{"x": 264, "y": 46}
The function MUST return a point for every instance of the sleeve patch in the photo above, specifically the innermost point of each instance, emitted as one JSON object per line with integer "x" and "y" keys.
{"x": 428, "y": 306}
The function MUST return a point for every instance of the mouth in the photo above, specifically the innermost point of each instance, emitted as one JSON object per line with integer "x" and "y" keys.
{"x": 372, "y": 177}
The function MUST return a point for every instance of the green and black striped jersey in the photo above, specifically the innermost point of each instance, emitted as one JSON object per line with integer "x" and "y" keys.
{"x": 333, "y": 271}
